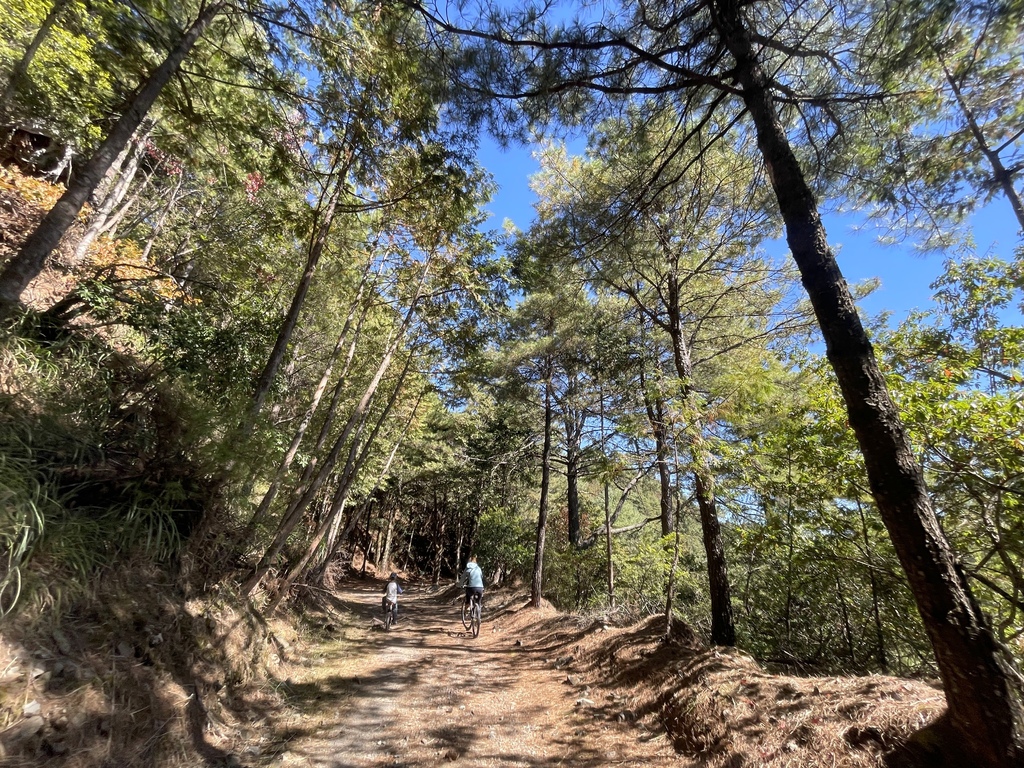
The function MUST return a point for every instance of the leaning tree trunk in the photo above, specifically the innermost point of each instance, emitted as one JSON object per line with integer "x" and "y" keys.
{"x": 536, "y": 586}
{"x": 29, "y": 261}
{"x": 317, "y": 243}
{"x": 357, "y": 457}
{"x": 294, "y": 513}
{"x": 983, "y": 689}
{"x": 110, "y": 194}
{"x": 293, "y": 448}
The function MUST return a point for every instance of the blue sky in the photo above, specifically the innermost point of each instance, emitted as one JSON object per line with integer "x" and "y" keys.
{"x": 904, "y": 273}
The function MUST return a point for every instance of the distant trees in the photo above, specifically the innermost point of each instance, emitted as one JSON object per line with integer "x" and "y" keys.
{"x": 687, "y": 266}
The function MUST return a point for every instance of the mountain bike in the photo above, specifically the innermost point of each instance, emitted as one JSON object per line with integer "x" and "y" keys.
{"x": 390, "y": 613}
{"x": 471, "y": 614}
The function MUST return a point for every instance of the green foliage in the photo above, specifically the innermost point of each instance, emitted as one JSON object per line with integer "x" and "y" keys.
{"x": 956, "y": 373}
{"x": 89, "y": 473}
{"x": 71, "y": 84}
{"x": 946, "y": 141}
{"x": 820, "y": 586}
{"x": 505, "y": 539}
{"x": 646, "y": 305}
{"x": 574, "y": 579}
{"x": 23, "y": 514}
{"x": 642, "y": 566}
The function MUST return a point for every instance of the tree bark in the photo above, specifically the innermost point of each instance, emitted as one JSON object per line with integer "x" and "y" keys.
{"x": 29, "y": 261}
{"x": 609, "y": 562}
{"x": 983, "y": 689}
{"x": 656, "y": 418}
{"x": 111, "y": 193}
{"x": 573, "y": 432}
{"x": 723, "y": 630}
{"x": 876, "y": 612}
{"x": 356, "y": 461}
{"x": 293, "y": 448}
{"x": 670, "y": 589}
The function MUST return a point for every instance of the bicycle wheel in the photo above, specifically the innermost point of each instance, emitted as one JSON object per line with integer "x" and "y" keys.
{"x": 467, "y": 615}
{"x": 475, "y": 618}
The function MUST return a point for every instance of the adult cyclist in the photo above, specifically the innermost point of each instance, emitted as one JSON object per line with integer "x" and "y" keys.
{"x": 473, "y": 578}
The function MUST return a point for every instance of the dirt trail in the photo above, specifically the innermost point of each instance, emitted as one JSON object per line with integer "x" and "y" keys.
{"x": 427, "y": 693}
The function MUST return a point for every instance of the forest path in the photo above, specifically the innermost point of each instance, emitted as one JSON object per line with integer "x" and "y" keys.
{"x": 427, "y": 693}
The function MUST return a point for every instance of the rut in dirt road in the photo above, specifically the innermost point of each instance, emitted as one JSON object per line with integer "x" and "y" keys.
{"x": 428, "y": 693}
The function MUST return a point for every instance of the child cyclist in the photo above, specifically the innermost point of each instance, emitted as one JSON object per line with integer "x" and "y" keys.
{"x": 391, "y": 593}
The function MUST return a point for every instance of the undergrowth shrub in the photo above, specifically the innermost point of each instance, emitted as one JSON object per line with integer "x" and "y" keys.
{"x": 94, "y": 466}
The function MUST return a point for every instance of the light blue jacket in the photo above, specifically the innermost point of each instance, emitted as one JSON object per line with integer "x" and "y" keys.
{"x": 473, "y": 576}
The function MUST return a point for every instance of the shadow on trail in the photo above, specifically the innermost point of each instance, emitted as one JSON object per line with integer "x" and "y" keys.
{"x": 427, "y": 693}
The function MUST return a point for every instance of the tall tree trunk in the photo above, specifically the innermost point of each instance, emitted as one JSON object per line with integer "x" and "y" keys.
{"x": 787, "y": 614}
{"x": 20, "y": 69}
{"x": 656, "y": 418}
{"x": 312, "y": 466}
{"x": 367, "y": 541}
{"x": 573, "y": 430}
{"x": 670, "y": 590}
{"x": 610, "y": 565}
{"x": 609, "y": 562}
{"x": 412, "y": 537}
{"x": 385, "y": 557}
{"x": 536, "y": 586}
{"x": 847, "y": 629}
{"x": 295, "y": 512}
{"x": 29, "y": 261}
{"x": 984, "y": 690}
{"x": 439, "y": 531}
{"x": 300, "y": 432}
{"x": 876, "y": 612}
{"x": 723, "y": 630}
